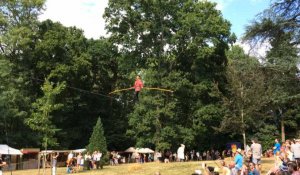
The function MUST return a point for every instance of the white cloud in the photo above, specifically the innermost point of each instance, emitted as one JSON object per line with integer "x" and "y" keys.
{"x": 84, "y": 14}
{"x": 258, "y": 50}
{"x": 222, "y": 4}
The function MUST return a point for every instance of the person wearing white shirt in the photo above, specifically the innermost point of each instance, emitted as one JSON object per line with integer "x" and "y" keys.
{"x": 295, "y": 148}
{"x": 180, "y": 153}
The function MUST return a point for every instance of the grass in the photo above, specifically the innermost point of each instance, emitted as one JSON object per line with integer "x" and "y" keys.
{"x": 176, "y": 168}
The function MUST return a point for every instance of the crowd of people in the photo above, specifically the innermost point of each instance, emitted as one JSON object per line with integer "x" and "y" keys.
{"x": 77, "y": 161}
{"x": 245, "y": 162}
{"x": 286, "y": 158}
{"x": 248, "y": 162}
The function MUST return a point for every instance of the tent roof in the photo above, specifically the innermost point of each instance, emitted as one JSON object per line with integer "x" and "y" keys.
{"x": 5, "y": 149}
{"x": 130, "y": 150}
{"x": 79, "y": 150}
{"x": 144, "y": 150}
{"x": 62, "y": 151}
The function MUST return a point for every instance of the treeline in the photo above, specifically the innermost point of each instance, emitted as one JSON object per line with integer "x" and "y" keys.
{"x": 55, "y": 82}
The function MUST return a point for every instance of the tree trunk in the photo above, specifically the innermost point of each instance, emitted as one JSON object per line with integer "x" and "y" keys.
{"x": 282, "y": 130}
{"x": 244, "y": 133}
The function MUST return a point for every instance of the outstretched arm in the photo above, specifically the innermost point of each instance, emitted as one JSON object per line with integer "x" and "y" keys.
{"x": 2, "y": 164}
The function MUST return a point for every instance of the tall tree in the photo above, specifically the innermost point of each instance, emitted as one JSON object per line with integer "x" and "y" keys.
{"x": 97, "y": 140}
{"x": 41, "y": 115}
{"x": 172, "y": 44}
{"x": 279, "y": 26}
{"x": 245, "y": 100}
{"x": 13, "y": 108}
{"x": 18, "y": 23}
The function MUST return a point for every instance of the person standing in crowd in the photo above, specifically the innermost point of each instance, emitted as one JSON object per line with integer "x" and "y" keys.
{"x": 276, "y": 152}
{"x": 198, "y": 155}
{"x": 88, "y": 161}
{"x": 167, "y": 156}
{"x": 295, "y": 148}
{"x": 70, "y": 156}
{"x": 180, "y": 153}
{"x": 98, "y": 159}
{"x": 256, "y": 149}
{"x": 276, "y": 148}
{"x": 2, "y": 164}
{"x": 54, "y": 162}
{"x": 238, "y": 161}
{"x": 78, "y": 161}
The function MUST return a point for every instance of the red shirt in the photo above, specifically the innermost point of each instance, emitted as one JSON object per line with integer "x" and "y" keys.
{"x": 138, "y": 85}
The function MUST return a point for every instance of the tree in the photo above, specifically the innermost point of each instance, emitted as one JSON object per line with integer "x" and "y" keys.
{"x": 281, "y": 16}
{"x": 97, "y": 141}
{"x": 13, "y": 107}
{"x": 18, "y": 21}
{"x": 106, "y": 76}
{"x": 245, "y": 99}
{"x": 279, "y": 26}
{"x": 40, "y": 119}
{"x": 178, "y": 45}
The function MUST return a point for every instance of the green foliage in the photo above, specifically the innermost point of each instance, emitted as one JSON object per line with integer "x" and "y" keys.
{"x": 178, "y": 45}
{"x": 266, "y": 135}
{"x": 279, "y": 26}
{"x": 245, "y": 99}
{"x": 40, "y": 119}
{"x": 13, "y": 107}
{"x": 97, "y": 140}
{"x": 280, "y": 16}
{"x": 18, "y": 19}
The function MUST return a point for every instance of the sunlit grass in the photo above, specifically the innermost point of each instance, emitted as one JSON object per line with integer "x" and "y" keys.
{"x": 176, "y": 168}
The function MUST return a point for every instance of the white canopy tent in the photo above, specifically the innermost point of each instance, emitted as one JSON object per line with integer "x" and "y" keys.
{"x": 5, "y": 149}
{"x": 139, "y": 150}
{"x": 130, "y": 150}
{"x": 79, "y": 150}
{"x": 144, "y": 150}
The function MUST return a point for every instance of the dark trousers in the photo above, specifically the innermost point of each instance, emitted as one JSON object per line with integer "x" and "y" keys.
{"x": 97, "y": 164}
{"x": 136, "y": 96}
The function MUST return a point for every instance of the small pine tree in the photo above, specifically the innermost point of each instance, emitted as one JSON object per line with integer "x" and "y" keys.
{"x": 98, "y": 141}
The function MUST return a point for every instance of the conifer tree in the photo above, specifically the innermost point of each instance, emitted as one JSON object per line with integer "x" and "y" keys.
{"x": 97, "y": 140}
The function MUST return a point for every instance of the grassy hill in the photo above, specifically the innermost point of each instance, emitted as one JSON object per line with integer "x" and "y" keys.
{"x": 176, "y": 168}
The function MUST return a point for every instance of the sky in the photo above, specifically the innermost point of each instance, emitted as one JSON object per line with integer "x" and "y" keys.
{"x": 87, "y": 14}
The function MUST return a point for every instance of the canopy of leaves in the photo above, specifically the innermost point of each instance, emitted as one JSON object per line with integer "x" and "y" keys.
{"x": 40, "y": 119}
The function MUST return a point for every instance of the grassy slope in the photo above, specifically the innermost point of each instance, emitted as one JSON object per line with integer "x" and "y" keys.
{"x": 177, "y": 168}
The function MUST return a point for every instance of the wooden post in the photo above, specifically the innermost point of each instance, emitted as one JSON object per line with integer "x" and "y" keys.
{"x": 39, "y": 162}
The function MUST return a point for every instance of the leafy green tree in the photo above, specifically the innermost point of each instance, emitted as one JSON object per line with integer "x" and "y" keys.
{"x": 178, "y": 45}
{"x": 18, "y": 23}
{"x": 106, "y": 78}
{"x": 13, "y": 108}
{"x": 245, "y": 100}
{"x": 279, "y": 26}
{"x": 40, "y": 119}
